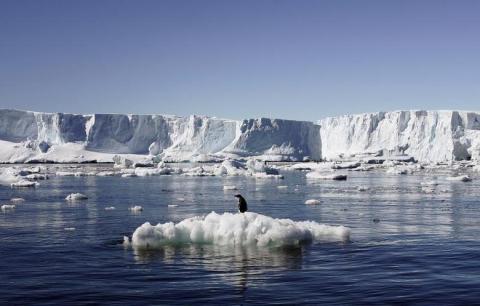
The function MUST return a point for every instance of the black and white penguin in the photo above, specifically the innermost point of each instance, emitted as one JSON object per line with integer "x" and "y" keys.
{"x": 242, "y": 204}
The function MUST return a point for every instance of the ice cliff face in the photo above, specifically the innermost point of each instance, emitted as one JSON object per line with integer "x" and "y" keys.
{"x": 431, "y": 136}
{"x": 169, "y": 137}
{"x": 425, "y": 135}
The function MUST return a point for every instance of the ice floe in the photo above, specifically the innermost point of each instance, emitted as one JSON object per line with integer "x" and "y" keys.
{"x": 76, "y": 197}
{"x": 237, "y": 229}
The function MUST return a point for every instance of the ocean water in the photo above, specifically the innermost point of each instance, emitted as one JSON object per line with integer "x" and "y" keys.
{"x": 408, "y": 245}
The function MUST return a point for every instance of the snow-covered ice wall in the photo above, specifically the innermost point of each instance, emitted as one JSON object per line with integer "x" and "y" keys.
{"x": 425, "y": 135}
{"x": 430, "y": 136}
{"x": 29, "y": 135}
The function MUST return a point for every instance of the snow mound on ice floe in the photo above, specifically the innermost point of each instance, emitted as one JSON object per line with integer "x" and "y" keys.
{"x": 237, "y": 229}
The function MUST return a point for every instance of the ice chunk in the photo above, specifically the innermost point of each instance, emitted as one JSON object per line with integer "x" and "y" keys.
{"x": 110, "y": 208}
{"x": 136, "y": 208}
{"x": 312, "y": 202}
{"x": 460, "y": 178}
{"x": 362, "y": 188}
{"x": 7, "y": 207}
{"x": 237, "y": 229}
{"x": 17, "y": 200}
{"x": 346, "y": 165}
{"x": 76, "y": 197}
{"x": 323, "y": 176}
{"x": 24, "y": 184}
{"x": 122, "y": 162}
{"x": 229, "y": 187}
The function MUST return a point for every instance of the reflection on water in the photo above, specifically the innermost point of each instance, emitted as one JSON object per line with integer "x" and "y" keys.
{"x": 242, "y": 267}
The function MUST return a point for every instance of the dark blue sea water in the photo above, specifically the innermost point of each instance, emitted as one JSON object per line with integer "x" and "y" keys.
{"x": 423, "y": 249}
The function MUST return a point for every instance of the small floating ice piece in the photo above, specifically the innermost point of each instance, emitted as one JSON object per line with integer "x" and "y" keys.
{"x": 321, "y": 176}
{"x": 6, "y": 207}
{"x": 129, "y": 175}
{"x": 17, "y": 200}
{"x": 110, "y": 208}
{"x": 65, "y": 173}
{"x": 172, "y": 205}
{"x": 262, "y": 175}
{"x": 312, "y": 202}
{"x": 36, "y": 177}
{"x": 181, "y": 199}
{"x": 106, "y": 173}
{"x": 126, "y": 241}
{"x": 136, "y": 208}
{"x": 69, "y": 229}
{"x": 362, "y": 188}
{"x": 429, "y": 183}
{"x": 282, "y": 187}
{"x": 229, "y": 187}
{"x": 24, "y": 184}
{"x": 460, "y": 178}
{"x": 76, "y": 197}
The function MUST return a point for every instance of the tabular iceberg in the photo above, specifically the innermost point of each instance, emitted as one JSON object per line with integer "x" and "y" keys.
{"x": 430, "y": 136}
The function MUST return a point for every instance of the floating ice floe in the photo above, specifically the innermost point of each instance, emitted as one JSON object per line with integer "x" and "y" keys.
{"x": 76, "y": 197}
{"x": 282, "y": 187}
{"x": 69, "y": 229}
{"x": 312, "y": 202}
{"x": 460, "y": 178}
{"x": 237, "y": 229}
{"x": 172, "y": 205}
{"x": 429, "y": 183}
{"x": 106, "y": 173}
{"x": 24, "y": 184}
{"x": 65, "y": 173}
{"x": 17, "y": 200}
{"x": 229, "y": 187}
{"x": 129, "y": 175}
{"x": 136, "y": 208}
{"x": 110, "y": 208}
{"x": 36, "y": 177}
{"x": 323, "y": 176}
{"x": 346, "y": 165}
{"x": 7, "y": 207}
{"x": 362, "y": 188}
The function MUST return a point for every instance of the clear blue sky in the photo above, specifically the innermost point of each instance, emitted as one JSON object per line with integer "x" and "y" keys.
{"x": 239, "y": 59}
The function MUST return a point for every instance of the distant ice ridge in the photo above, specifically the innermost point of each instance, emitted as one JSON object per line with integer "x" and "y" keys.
{"x": 237, "y": 230}
{"x": 427, "y": 136}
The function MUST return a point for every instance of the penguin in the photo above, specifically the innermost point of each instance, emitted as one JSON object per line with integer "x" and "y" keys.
{"x": 242, "y": 204}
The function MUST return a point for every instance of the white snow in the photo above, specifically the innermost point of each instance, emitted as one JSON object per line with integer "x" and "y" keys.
{"x": 76, "y": 197}
{"x": 237, "y": 229}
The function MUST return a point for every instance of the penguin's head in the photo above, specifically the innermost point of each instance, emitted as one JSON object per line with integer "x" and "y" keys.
{"x": 238, "y": 195}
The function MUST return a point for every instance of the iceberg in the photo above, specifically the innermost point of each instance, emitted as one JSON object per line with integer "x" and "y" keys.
{"x": 237, "y": 230}
{"x": 129, "y": 140}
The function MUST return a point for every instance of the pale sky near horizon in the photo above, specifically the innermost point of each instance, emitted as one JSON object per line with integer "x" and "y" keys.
{"x": 297, "y": 59}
